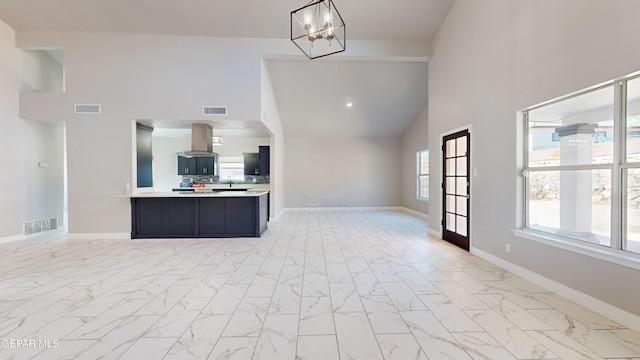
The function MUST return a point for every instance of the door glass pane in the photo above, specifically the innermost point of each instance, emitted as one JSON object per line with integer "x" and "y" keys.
{"x": 451, "y": 148}
{"x": 451, "y": 203}
{"x": 451, "y": 185}
{"x": 451, "y": 166}
{"x": 572, "y": 203}
{"x": 462, "y": 166}
{"x": 451, "y": 222}
{"x": 461, "y": 225}
{"x": 462, "y": 205}
{"x": 574, "y": 131}
{"x": 633, "y": 210}
{"x": 633, "y": 120}
{"x": 461, "y": 148}
{"x": 461, "y": 186}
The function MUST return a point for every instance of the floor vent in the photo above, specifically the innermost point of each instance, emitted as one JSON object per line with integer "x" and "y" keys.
{"x": 38, "y": 226}
{"x": 214, "y": 110}
{"x": 87, "y": 108}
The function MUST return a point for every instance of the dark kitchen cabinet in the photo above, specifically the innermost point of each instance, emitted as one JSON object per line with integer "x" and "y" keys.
{"x": 199, "y": 217}
{"x": 187, "y": 165}
{"x": 264, "y": 158}
{"x": 164, "y": 217}
{"x": 207, "y": 165}
{"x": 144, "y": 155}
{"x": 251, "y": 164}
{"x": 202, "y": 165}
{"x": 257, "y": 163}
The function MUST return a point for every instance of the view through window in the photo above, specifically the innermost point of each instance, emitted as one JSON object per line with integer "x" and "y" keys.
{"x": 575, "y": 185}
{"x": 423, "y": 174}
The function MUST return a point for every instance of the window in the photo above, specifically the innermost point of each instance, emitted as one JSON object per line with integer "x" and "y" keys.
{"x": 582, "y": 181}
{"x": 423, "y": 175}
{"x": 231, "y": 166}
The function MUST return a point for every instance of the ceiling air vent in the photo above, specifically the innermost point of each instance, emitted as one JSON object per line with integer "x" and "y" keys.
{"x": 214, "y": 110}
{"x": 87, "y": 108}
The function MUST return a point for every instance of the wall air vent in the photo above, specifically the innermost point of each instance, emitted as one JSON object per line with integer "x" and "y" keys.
{"x": 86, "y": 108}
{"x": 214, "y": 110}
{"x": 38, "y": 226}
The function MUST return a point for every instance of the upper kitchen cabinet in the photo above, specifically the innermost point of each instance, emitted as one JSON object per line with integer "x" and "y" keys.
{"x": 203, "y": 165}
{"x": 144, "y": 155}
{"x": 187, "y": 165}
{"x": 207, "y": 165}
{"x": 251, "y": 164}
{"x": 257, "y": 163}
{"x": 264, "y": 158}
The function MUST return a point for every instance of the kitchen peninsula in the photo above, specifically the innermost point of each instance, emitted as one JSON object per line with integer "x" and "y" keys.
{"x": 216, "y": 213}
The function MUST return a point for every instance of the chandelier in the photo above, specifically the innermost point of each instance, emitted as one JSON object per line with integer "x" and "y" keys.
{"x": 318, "y": 30}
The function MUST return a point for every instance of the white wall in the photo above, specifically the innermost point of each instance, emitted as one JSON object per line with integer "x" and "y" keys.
{"x": 271, "y": 119}
{"x": 41, "y": 72}
{"x": 347, "y": 171}
{"x": 493, "y": 58}
{"x": 165, "y": 160}
{"x": 28, "y": 192}
{"x": 139, "y": 77}
{"x": 415, "y": 139}
{"x": 236, "y": 146}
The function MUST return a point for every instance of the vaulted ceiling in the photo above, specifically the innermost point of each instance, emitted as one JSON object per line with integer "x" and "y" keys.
{"x": 311, "y": 95}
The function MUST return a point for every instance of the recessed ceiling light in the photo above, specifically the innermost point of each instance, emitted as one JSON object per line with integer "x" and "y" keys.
{"x": 349, "y": 104}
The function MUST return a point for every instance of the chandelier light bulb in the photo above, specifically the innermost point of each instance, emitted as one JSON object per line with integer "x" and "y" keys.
{"x": 312, "y": 34}
{"x": 327, "y": 19}
{"x": 308, "y": 19}
{"x": 329, "y": 33}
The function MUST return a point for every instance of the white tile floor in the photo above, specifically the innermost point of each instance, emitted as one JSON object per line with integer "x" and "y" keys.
{"x": 318, "y": 285}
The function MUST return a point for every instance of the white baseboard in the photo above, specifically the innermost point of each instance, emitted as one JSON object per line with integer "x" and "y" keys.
{"x": 20, "y": 237}
{"x": 416, "y": 213}
{"x": 435, "y": 233}
{"x": 99, "y": 236}
{"x": 278, "y": 215}
{"x": 345, "y": 208}
{"x": 616, "y": 314}
{"x": 12, "y": 238}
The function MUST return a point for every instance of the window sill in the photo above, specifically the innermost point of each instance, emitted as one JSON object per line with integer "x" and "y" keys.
{"x": 618, "y": 257}
{"x": 422, "y": 199}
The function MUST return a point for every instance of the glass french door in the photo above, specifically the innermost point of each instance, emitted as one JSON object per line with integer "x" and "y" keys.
{"x": 455, "y": 203}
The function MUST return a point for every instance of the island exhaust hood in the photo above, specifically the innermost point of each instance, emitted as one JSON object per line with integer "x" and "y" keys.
{"x": 201, "y": 144}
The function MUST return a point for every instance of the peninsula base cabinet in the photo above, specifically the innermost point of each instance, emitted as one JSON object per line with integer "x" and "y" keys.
{"x": 199, "y": 217}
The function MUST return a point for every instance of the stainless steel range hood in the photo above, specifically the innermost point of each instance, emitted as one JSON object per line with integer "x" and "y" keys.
{"x": 201, "y": 144}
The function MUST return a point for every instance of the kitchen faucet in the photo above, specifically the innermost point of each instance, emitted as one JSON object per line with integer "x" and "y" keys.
{"x": 229, "y": 181}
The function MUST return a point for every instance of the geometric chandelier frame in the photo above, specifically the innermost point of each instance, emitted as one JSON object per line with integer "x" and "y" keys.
{"x": 317, "y": 29}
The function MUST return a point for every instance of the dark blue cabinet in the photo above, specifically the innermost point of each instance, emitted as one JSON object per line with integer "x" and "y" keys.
{"x": 199, "y": 217}
{"x": 264, "y": 158}
{"x": 171, "y": 217}
{"x": 144, "y": 156}
{"x": 251, "y": 164}
{"x": 258, "y": 163}
{"x": 187, "y": 165}
{"x": 200, "y": 165}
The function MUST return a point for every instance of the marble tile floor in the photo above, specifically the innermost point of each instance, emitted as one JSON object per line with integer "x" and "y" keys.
{"x": 318, "y": 285}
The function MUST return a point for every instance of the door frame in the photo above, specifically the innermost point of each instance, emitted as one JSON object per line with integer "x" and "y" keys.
{"x": 473, "y": 173}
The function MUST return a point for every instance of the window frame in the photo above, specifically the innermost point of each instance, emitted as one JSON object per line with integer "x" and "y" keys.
{"x": 422, "y": 177}
{"x": 617, "y": 250}
{"x": 238, "y": 161}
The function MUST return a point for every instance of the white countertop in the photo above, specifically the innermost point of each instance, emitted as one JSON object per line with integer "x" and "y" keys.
{"x": 249, "y": 186}
{"x": 181, "y": 194}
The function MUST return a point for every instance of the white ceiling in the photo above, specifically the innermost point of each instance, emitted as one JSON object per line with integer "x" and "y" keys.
{"x": 312, "y": 96}
{"x": 387, "y": 96}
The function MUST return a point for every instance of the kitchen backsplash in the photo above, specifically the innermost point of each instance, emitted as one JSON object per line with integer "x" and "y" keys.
{"x": 248, "y": 179}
